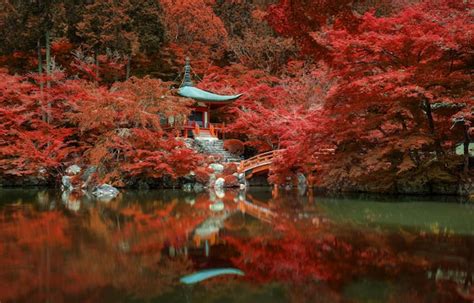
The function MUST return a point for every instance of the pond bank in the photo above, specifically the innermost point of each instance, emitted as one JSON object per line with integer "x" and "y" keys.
{"x": 226, "y": 175}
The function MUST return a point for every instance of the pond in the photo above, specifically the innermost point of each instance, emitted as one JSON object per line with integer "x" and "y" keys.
{"x": 171, "y": 246}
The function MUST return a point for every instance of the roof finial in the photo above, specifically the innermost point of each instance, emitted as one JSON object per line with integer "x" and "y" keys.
{"x": 187, "y": 74}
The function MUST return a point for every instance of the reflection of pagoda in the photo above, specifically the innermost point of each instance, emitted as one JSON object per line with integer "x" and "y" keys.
{"x": 200, "y": 120}
{"x": 207, "y": 233}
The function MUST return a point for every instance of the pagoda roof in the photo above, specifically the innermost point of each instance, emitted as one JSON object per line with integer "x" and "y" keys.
{"x": 188, "y": 90}
{"x": 202, "y": 95}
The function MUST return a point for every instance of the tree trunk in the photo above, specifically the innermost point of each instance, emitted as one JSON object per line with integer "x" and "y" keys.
{"x": 429, "y": 116}
{"x": 96, "y": 66}
{"x": 41, "y": 85}
{"x": 467, "y": 141}
{"x": 40, "y": 63}
{"x": 431, "y": 126}
{"x": 48, "y": 71}
{"x": 127, "y": 74}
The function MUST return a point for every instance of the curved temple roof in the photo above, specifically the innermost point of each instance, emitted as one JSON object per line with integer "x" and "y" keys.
{"x": 189, "y": 91}
{"x": 202, "y": 95}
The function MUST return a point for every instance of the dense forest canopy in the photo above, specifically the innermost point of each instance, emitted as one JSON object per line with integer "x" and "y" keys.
{"x": 361, "y": 94}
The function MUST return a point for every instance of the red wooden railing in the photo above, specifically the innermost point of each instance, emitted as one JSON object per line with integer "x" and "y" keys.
{"x": 196, "y": 129}
{"x": 215, "y": 129}
{"x": 258, "y": 211}
{"x": 263, "y": 160}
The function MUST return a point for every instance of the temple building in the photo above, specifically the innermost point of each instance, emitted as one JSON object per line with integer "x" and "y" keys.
{"x": 200, "y": 120}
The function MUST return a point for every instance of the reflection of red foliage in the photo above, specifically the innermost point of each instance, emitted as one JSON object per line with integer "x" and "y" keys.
{"x": 301, "y": 252}
{"x": 26, "y": 237}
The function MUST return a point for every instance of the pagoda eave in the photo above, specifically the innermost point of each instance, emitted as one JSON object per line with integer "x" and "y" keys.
{"x": 204, "y": 96}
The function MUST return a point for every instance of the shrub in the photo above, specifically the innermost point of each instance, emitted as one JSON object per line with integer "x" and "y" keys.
{"x": 231, "y": 181}
{"x": 202, "y": 176}
{"x": 230, "y": 168}
{"x": 234, "y": 146}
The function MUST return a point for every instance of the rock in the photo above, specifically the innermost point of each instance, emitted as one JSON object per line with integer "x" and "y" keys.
{"x": 73, "y": 170}
{"x": 218, "y": 206}
{"x": 219, "y": 184}
{"x": 88, "y": 173}
{"x": 66, "y": 184}
{"x": 105, "y": 192}
{"x": 301, "y": 180}
{"x": 302, "y": 184}
{"x": 187, "y": 187}
{"x": 191, "y": 177}
{"x": 218, "y": 168}
{"x": 198, "y": 187}
{"x": 242, "y": 186}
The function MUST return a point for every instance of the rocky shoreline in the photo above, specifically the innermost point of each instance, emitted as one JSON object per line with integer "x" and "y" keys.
{"x": 216, "y": 177}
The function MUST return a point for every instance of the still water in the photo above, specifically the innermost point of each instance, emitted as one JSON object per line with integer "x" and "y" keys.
{"x": 169, "y": 246}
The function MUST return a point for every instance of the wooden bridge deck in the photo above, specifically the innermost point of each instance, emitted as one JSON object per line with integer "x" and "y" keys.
{"x": 259, "y": 163}
{"x": 263, "y": 162}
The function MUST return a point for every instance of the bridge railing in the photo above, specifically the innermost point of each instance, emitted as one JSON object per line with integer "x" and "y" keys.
{"x": 258, "y": 160}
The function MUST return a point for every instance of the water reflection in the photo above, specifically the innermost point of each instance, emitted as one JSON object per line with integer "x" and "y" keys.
{"x": 58, "y": 248}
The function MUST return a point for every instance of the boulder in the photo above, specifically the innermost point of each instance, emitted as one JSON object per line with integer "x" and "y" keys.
{"x": 73, "y": 170}
{"x": 301, "y": 180}
{"x": 198, "y": 187}
{"x": 66, "y": 184}
{"x": 218, "y": 168}
{"x": 105, "y": 192}
{"x": 219, "y": 184}
{"x": 241, "y": 178}
{"x": 87, "y": 176}
{"x": 302, "y": 184}
{"x": 187, "y": 187}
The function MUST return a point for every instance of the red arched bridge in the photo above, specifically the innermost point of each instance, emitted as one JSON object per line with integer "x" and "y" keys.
{"x": 263, "y": 162}
{"x": 258, "y": 163}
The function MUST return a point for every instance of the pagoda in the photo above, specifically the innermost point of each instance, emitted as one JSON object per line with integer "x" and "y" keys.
{"x": 200, "y": 122}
